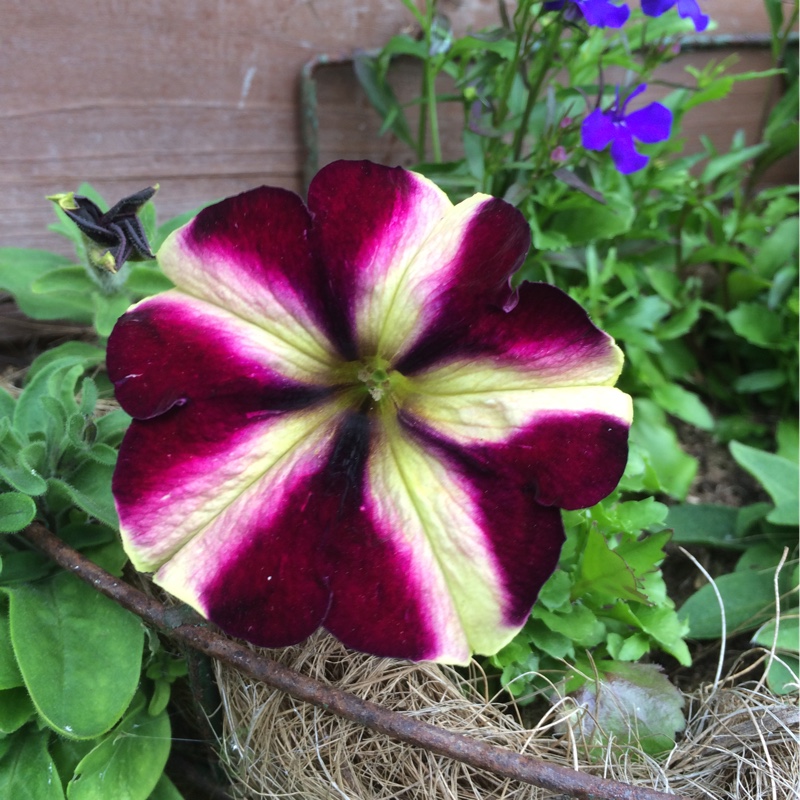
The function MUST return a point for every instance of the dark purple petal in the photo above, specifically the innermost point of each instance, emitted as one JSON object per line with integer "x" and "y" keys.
{"x": 650, "y": 124}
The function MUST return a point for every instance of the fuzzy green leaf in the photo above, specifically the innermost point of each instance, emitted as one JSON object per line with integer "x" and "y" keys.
{"x": 15, "y": 709}
{"x": 129, "y": 761}
{"x": 17, "y": 511}
{"x": 26, "y": 770}
{"x": 20, "y": 268}
{"x": 79, "y": 654}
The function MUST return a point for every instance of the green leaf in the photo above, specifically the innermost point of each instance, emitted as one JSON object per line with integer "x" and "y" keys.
{"x": 70, "y": 353}
{"x": 89, "y": 488}
{"x": 20, "y": 268}
{"x": 17, "y": 511}
{"x": 603, "y": 574}
{"x": 632, "y": 704}
{"x": 704, "y": 524}
{"x": 669, "y": 469}
{"x": 779, "y": 249}
{"x": 10, "y": 676}
{"x": 79, "y": 653}
{"x": 730, "y": 162}
{"x": 26, "y": 770}
{"x": 762, "y": 380}
{"x": 129, "y": 761}
{"x": 64, "y": 279}
{"x": 146, "y": 281}
{"x": 748, "y": 597}
{"x": 165, "y": 790}
{"x": 777, "y": 475}
{"x": 555, "y": 593}
{"x": 15, "y": 709}
{"x": 56, "y": 381}
{"x": 577, "y": 623}
{"x": 758, "y": 325}
{"x": 787, "y": 436}
{"x": 783, "y": 675}
{"x": 685, "y": 405}
{"x": 581, "y": 222}
{"x": 788, "y": 638}
{"x": 108, "y": 309}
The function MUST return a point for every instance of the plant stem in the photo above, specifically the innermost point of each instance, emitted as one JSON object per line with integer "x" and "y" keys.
{"x": 465, "y": 749}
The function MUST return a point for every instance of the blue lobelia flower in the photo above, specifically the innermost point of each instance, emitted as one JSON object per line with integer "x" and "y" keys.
{"x": 686, "y": 8}
{"x": 600, "y": 13}
{"x": 649, "y": 124}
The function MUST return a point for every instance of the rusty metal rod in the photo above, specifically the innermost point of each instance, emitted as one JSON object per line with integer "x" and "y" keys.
{"x": 500, "y": 761}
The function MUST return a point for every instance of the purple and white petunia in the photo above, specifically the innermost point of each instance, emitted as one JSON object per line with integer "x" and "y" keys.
{"x": 339, "y": 421}
{"x": 599, "y": 13}
{"x": 616, "y": 127}
{"x": 686, "y": 9}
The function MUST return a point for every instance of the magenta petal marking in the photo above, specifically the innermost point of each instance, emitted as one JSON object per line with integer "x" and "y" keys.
{"x": 253, "y": 248}
{"x": 526, "y": 536}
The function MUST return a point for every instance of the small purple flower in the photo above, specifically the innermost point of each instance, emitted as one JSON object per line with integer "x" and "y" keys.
{"x": 649, "y": 124}
{"x": 559, "y": 154}
{"x": 600, "y": 13}
{"x": 686, "y": 8}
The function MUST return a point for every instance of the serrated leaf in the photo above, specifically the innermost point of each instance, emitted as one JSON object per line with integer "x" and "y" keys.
{"x": 603, "y": 574}
{"x": 128, "y": 763}
{"x": 577, "y": 623}
{"x": 79, "y": 653}
{"x": 17, "y": 511}
{"x": 26, "y": 770}
{"x": 631, "y": 703}
{"x": 555, "y": 593}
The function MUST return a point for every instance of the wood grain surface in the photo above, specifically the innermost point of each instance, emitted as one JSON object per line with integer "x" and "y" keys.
{"x": 203, "y": 95}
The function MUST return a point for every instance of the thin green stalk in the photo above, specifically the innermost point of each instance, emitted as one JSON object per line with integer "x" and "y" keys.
{"x": 513, "y": 66}
{"x": 545, "y": 62}
{"x": 430, "y": 102}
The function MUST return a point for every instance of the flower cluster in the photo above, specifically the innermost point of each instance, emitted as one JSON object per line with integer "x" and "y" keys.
{"x": 343, "y": 416}
{"x": 605, "y": 14}
{"x": 619, "y": 129}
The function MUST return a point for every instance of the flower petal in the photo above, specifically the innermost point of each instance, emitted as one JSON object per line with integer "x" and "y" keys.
{"x": 215, "y": 415}
{"x": 604, "y": 14}
{"x": 650, "y": 124}
{"x": 398, "y": 252}
{"x": 691, "y": 8}
{"x": 462, "y": 549}
{"x": 597, "y": 131}
{"x": 626, "y": 158}
{"x": 250, "y": 254}
{"x": 655, "y": 8}
{"x": 537, "y": 385}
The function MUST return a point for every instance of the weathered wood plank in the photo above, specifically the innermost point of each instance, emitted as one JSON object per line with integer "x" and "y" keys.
{"x": 201, "y": 95}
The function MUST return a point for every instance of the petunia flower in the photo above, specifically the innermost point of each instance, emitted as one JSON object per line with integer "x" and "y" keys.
{"x": 619, "y": 129}
{"x": 686, "y": 8}
{"x": 600, "y": 13}
{"x": 339, "y": 421}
